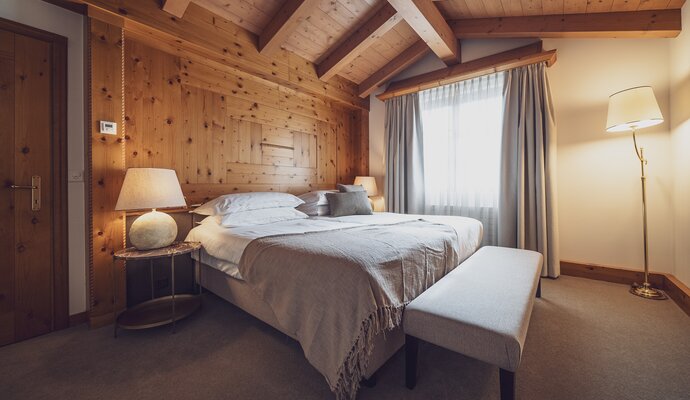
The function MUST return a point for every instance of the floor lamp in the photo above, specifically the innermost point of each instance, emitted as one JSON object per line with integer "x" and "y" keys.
{"x": 630, "y": 110}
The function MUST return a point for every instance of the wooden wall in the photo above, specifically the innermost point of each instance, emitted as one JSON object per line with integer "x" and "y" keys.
{"x": 225, "y": 121}
{"x": 228, "y": 131}
{"x": 106, "y": 172}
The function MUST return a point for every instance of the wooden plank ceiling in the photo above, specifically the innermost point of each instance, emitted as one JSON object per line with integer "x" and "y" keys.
{"x": 362, "y": 40}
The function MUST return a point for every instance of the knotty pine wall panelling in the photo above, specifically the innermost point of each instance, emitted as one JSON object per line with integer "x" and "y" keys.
{"x": 107, "y": 167}
{"x": 226, "y": 131}
{"x": 222, "y": 129}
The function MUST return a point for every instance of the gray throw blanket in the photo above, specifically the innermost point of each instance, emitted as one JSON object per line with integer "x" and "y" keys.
{"x": 336, "y": 290}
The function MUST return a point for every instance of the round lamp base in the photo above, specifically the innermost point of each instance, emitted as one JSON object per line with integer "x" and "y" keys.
{"x": 153, "y": 230}
{"x": 646, "y": 291}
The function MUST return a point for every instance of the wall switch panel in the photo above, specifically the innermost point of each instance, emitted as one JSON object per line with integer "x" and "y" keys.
{"x": 108, "y": 128}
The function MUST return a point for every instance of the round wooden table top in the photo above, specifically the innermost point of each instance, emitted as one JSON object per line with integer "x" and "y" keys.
{"x": 175, "y": 249}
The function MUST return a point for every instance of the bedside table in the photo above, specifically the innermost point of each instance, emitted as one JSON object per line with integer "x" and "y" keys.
{"x": 160, "y": 310}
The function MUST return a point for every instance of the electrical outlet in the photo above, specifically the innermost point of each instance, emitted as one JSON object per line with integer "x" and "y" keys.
{"x": 76, "y": 176}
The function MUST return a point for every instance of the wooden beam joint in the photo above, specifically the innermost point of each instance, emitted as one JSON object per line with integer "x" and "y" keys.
{"x": 425, "y": 19}
{"x": 284, "y": 22}
{"x": 383, "y": 20}
{"x": 176, "y": 7}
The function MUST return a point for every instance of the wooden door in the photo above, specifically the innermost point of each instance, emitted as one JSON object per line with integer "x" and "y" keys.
{"x": 32, "y": 276}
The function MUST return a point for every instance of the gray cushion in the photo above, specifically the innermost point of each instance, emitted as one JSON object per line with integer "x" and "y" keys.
{"x": 482, "y": 308}
{"x": 349, "y": 203}
{"x": 350, "y": 188}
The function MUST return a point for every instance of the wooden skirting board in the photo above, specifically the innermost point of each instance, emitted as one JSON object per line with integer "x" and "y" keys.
{"x": 79, "y": 318}
{"x": 673, "y": 287}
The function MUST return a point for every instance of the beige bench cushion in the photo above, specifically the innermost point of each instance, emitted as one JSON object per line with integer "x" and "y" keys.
{"x": 482, "y": 308}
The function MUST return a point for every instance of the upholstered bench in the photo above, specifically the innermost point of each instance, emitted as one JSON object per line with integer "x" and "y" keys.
{"x": 481, "y": 309}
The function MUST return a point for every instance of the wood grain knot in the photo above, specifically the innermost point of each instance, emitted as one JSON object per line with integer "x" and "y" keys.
{"x": 21, "y": 248}
{"x": 25, "y": 150}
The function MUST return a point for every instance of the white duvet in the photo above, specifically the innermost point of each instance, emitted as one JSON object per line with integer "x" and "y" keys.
{"x": 223, "y": 247}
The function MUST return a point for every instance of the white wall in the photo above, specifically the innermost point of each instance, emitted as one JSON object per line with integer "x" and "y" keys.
{"x": 680, "y": 141}
{"x": 598, "y": 176}
{"x": 54, "y": 19}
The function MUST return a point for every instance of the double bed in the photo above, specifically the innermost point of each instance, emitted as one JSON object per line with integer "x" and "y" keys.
{"x": 243, "y": 266}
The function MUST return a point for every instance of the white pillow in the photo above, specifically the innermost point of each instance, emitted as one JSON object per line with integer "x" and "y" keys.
{"x": 313, "y": 209}
{"x": 261, "y": 217}
{"x": 238, "y": 202}
{"x": 318, "y": 197}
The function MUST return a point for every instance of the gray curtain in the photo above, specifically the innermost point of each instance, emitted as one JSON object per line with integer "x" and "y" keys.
{"x": 527, "y": 214}
{"x": 404, "y": 188}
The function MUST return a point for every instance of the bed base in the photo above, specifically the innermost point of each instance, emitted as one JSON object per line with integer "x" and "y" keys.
{"x": 241, "y": 295}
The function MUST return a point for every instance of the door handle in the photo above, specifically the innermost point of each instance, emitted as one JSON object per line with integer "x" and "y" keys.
{"x": 35, "y": 188}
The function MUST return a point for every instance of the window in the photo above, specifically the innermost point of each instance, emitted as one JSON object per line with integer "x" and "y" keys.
{"x": 462, "y": 127}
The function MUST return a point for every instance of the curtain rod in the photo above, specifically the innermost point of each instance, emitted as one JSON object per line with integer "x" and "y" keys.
{"x": 526, "y": 55}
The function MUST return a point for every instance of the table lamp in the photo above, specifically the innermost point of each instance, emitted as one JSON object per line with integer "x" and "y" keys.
{"x": 369, "y": 183}
{"x": 630, "y": 110}
{"x": 151, "y": 188}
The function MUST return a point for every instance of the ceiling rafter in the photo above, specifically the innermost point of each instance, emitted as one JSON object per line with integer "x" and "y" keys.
{"x": 431, "y": 26}
{"x": 382, "y": 20}
{"x": 403, "y": 60}
{"x": 288, "y": 17}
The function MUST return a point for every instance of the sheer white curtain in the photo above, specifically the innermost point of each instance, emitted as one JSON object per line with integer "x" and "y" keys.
{"x": 462, "y": 127}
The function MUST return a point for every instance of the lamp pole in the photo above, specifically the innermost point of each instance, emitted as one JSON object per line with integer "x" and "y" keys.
{"x": 645, "y": 289}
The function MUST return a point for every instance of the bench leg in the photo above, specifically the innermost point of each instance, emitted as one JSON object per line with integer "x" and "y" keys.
{"x": 507, "y": 379}
{"x": 411, "y": 352}
{"x": 539, "y": 289}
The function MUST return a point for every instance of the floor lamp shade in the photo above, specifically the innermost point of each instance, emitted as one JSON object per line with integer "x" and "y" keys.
{"x": 633, "y": 108}
{"x": 148, "y": 189}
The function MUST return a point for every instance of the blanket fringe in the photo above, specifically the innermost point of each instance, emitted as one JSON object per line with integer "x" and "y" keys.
{"x": 352, "y": 371}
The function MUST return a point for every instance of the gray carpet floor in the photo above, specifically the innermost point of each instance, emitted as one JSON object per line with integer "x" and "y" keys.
{"x": 587, "y": 340}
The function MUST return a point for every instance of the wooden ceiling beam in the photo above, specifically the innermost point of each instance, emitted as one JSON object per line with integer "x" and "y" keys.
{"x": 403, "y": 60}
{"x": 176, "y": 7}
{"x": 427, "y": 21}
{"x": 209, "y": 36}
{"x": 383, "y": 20}
{"x": 283, "y": 23}
{"x": 634, "y": 24}
{"x": 506, "y": 60}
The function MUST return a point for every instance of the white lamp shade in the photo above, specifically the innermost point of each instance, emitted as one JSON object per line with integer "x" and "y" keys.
{"x": 149, "y": 188}
{"x": 369, "y": 183}
{"x": 633, "y": 108}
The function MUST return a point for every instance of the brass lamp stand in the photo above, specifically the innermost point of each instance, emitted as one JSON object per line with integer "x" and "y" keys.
{"x": 630, "y": 110}
{"x": 645, "y": 289}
